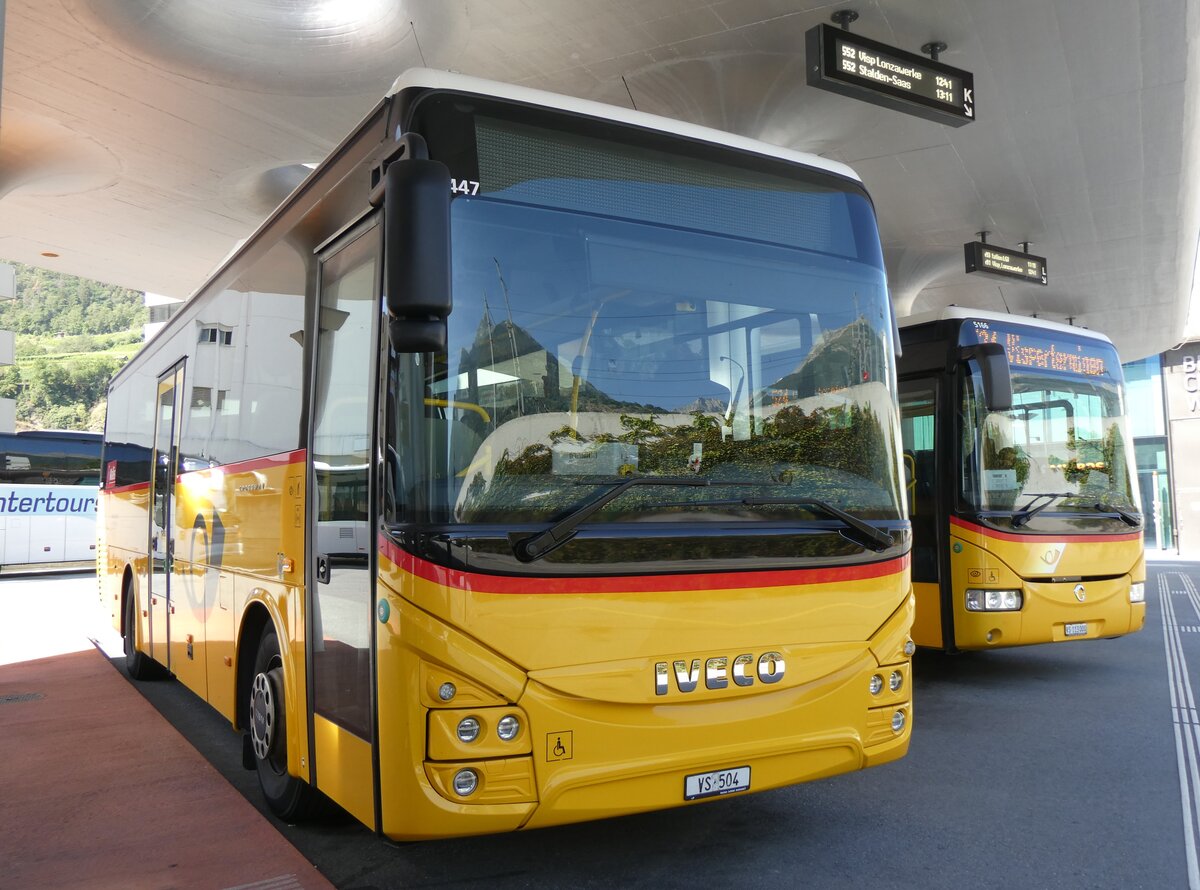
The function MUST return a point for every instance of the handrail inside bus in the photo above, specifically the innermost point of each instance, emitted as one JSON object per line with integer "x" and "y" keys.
{"x": 466, "y": 406}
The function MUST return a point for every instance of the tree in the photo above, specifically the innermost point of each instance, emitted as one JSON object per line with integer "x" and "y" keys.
{"x": 63, "y": 326}
{"x": 51, "y": 302}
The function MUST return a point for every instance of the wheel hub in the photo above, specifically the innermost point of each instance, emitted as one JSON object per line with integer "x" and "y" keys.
{"x": 262, "y": 716}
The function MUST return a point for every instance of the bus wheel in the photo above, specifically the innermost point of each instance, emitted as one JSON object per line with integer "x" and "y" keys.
{"x": 139, "y": 664}
{"x": 289, "y": 798}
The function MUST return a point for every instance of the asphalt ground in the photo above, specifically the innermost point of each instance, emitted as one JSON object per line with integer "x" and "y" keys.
{"x": 1069, "y": 765}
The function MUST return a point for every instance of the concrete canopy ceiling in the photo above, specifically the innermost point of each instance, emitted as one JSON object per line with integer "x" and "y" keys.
{"x": 139, "y": 140}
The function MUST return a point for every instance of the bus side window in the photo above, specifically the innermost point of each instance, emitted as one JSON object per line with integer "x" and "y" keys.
{"x": 918, "y": 400}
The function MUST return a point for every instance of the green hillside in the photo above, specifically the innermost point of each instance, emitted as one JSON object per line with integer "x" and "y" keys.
{"x": 72, "y": 335}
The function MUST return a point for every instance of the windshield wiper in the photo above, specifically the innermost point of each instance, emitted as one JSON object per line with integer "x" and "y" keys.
{"x": 538, "y": 545}
{"x": 865, "y": 534}
{"x": 1126, "y": 517}
{"x": 532, "y": 547}
{"x": 1022, "y": 516}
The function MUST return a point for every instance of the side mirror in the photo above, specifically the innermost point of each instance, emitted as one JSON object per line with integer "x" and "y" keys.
{"x": 416, "y": 225}
{"x": 993, "y": 369}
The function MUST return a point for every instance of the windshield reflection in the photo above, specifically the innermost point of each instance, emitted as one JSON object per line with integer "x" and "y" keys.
{"x": 589, "y": 348}
{"x": 1064, "y": 437}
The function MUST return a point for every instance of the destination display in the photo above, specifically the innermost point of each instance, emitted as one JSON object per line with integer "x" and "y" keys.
{"x": 1044, "y": 350}
{"x": 844, "y": 63}
{"x": 995, "y": 260}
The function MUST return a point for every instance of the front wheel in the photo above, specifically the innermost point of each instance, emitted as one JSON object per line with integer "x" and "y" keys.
{"x": 139, "y": 665}
{"x": 288, "y": 797}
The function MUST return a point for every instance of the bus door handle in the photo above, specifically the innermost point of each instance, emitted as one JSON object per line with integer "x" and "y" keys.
{"x": 322, "y": 568}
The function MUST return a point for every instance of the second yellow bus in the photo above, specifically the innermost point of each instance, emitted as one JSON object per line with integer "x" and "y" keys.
{"x": 1022, "y": 485}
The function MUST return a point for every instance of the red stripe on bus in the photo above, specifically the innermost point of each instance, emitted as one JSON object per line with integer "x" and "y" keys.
{"x": 122, "y": 489}
{"x": 1033, "y": 538}
{"x": 480, "y": 583}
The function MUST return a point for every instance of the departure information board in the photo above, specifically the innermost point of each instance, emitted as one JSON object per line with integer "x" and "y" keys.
{"x": 995, "y": 260}
{"x": 849, "y": 65}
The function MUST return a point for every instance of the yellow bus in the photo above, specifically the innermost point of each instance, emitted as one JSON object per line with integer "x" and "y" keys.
{"x": 1021, "y": 482}
{"x": 536, "y": 461}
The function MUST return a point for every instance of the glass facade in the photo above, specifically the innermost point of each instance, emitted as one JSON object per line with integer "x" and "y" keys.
{"x": 1147, "y": 416}
{"x": 1143, "y": 386}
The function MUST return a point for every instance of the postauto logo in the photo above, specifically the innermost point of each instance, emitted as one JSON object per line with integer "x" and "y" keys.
{"x": 47, "y": 500}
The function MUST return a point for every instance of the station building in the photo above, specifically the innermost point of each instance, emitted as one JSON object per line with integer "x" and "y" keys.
{"x": 1164, "y": 410}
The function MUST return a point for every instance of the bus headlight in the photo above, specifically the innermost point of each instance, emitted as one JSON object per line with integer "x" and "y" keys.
{"x": 508, "y": 727}
{"x": 898, "y": 721}
{"x": 993, "y": 600}
{"x": 895, "y": 681}
{"x": 468, "y": 729}
{"x": 876, "y": 684}
{"x": 465, "y": 782}
{"x": 1137, "y": 592}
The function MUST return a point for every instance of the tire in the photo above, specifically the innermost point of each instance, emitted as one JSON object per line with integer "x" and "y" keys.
{"x": 290, "y": 798}
{"x": 139, "y": 665}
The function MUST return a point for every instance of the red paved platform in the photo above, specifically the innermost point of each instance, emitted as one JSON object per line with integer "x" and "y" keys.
{"x": 98, "y": 791}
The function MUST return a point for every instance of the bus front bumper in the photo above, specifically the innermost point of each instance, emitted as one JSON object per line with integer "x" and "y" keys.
{"x": 1052, "y": 612}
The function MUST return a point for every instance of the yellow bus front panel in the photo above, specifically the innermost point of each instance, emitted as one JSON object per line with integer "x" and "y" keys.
{"x": 635, "y": 713}
{"x": 1071, "y": 588}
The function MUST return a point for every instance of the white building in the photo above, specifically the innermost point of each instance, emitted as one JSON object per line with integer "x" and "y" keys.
{"x": 161, "y": 309}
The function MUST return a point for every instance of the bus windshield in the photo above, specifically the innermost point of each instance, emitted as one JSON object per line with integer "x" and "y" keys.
{"x": 1064, "y": 445}
{"x": 50, "y": 457}
{"x": 621, "y": 311}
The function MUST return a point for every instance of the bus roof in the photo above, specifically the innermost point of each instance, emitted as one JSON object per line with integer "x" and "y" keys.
{"x": 428, "y": 78}
{"x": 963, "y": 313}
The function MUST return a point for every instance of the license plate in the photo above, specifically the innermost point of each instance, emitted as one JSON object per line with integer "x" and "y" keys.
{"x": 721, "y": 781}
{"x": 1075, "y": 630}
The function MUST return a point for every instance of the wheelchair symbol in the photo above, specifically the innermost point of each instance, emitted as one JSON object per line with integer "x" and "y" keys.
{"x": 558, "y": 746}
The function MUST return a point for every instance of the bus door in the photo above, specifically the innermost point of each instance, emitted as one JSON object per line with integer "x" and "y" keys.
{"x": 162, "y": 513}
{"x": 918, "y": 429}
{"x": 340, "y": 517}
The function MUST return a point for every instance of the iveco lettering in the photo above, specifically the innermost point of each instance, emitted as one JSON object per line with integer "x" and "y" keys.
{"x": 719, "y": 672}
